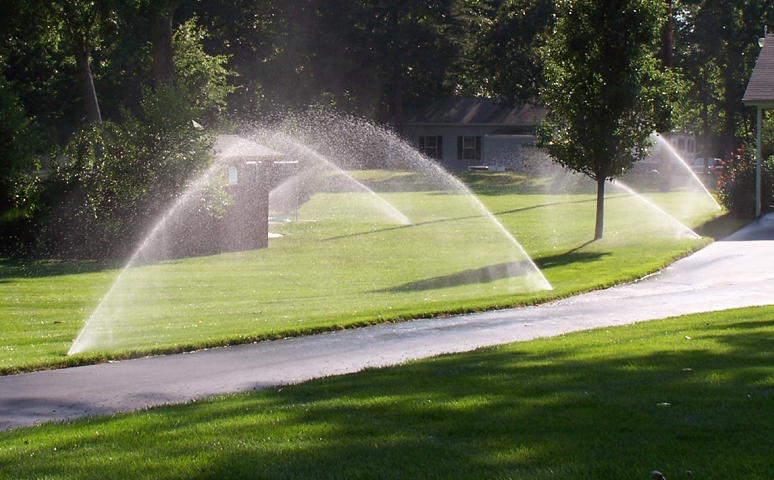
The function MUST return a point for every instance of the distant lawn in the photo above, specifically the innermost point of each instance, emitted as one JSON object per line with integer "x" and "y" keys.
{"x": 345, "y": 263}
{"x": 692, "y": 397}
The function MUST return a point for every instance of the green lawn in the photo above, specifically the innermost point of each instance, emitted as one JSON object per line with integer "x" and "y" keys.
{"x": 344, "y": 264}
{"x": 692, "y": 397}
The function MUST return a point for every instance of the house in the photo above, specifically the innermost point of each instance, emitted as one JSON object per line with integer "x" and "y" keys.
{"x": 666, "y": 149}
{"x": 684, "y": 144}
{"x": 760, "y": 94}
{"x": 472, "y": 133}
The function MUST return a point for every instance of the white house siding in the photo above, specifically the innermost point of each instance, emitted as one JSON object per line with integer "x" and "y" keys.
{"x": 498, "y": 150}
{"x": 502, "y": 127}
{"x": 505, "y": 150}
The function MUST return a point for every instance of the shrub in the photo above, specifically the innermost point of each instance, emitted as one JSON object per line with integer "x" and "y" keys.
{"x": 736, "y": 187}
{"x": 18, "y": 140}
{"x": 117, "y": 179}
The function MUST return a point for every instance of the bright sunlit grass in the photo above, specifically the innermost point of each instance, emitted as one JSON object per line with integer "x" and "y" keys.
{"x": 692, "y": 397}
{"x": 327, "y": 273}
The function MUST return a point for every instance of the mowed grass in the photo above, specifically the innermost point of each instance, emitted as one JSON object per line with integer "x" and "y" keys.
{"x": 346, "y": 264}
{"x": 692, "y": 397}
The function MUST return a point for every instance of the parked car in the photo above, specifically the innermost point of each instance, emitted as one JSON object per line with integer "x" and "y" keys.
{"x": 707, "y": 166}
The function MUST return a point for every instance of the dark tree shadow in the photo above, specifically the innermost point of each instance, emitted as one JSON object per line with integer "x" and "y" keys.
{"x": 597, "y": 408}
{"x": 458, "y": 219}
{"x": 569, "y": 257}
{"x": 760, "y": 229}
{"x": 721, "y": 226}
{"x": 39, "y": 268}
{"x": 481, "y": 275}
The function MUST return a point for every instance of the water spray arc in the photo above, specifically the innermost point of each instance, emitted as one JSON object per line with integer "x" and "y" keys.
{"x": 445, "y": 231}
{"x": 681, "y": 161}
{"x": 682, "y": 230}
{"x": 298, "y": 148}
{"x": 98, "y": 326}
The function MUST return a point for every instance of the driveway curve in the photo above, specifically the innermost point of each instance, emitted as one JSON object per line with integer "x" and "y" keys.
{"x": 737, "y": 271}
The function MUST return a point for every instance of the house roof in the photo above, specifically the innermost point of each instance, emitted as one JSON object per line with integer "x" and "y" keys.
{"x": 229, "y": 148}
{"x": 471, "y": 111}
{"x": 760, "y": 88}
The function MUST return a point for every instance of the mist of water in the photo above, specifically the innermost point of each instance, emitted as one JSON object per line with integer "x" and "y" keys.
{"x": 335, "y": 170}
{"x": 679, "y": 229}
{"x": 316, "y": 165}
{"x": 565, "y": 190}
{"x": 98, "y": 328}
{"x": 680, "y": 161}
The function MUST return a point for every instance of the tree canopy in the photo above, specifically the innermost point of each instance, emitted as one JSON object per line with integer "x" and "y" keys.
{"x": 363, "y": 56}
{"x": 68, "y": 65}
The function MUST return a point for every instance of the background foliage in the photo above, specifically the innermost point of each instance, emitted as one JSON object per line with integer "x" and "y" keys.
{"x": 736, "y": 187}
{"x": 70, "y": 64}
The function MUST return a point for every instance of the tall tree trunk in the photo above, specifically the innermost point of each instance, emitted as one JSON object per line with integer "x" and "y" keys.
{"x": 89, "y": 93}
{"x": 161, "y": 40}
{"x": 706, "y": 148}
{"x": 599, "y": 227}
{"x": 397, "y": 72}
{"x": 728, "y": 140}
{"x": 731, "y": 102}
{"x": 667, "y": 37}
{"x": 398, "y": 103}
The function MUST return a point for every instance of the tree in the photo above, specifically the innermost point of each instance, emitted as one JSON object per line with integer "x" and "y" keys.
{"x": 17, "y": 144}
{"x": 370, "y": 56}
{"x": 411, "y": 43}
{"x": 161, "y": 31}
{"x": 81, "y": 23}
{"x": 702, "y": 104}
{"x": 603, "y": 88}
{"x": 249, "y": 33}
{"x": 38, "y": 72}
{"x": 508, "y": 50}
{"x": 121, "y": 175}
{"x": 716, "y": 50}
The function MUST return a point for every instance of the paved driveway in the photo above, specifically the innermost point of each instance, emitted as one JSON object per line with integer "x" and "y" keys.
{"x": 735, "y": 272}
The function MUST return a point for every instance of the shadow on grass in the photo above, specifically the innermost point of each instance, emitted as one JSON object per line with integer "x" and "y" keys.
{"x": 500, "y": 271}
{"x": 500, "y": 183}
{"x": 509, "y": 183}
{"x": 481, "y": 275}
{"x": 410, "y": 182}
{"x": 38, "y": 268}
{"x": 459, "y": 219}
{"x": 526, "y": 413}
{"x": 589, "y": 405}
{"x": 571, "y": 256}
{"x": 721, "y": 226}
{"x": 552, "y": 204}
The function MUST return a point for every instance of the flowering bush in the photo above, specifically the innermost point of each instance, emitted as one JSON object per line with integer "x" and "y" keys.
{"x": 736, "y": 187}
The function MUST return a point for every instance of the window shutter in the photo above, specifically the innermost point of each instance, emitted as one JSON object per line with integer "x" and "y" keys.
{"x": 439, "y": 144}
{"x": 459, "y": 148}
{"x": 478, "y": 148}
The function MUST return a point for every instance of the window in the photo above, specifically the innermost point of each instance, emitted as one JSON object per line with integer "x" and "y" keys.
{"x": 468, "y": 148}
{"x": 686, "y": 145}
{"x": 431, "y": 146}
{"x": 233, "y": 176}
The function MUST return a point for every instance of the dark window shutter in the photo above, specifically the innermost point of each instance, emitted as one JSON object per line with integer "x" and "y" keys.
{"x": 439, "y": 143}
{"x": 478, "y": 148}
{"x": 459, "y": 148}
